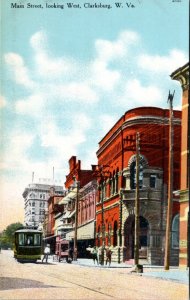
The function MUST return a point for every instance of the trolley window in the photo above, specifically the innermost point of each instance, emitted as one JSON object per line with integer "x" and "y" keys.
{"x": 37, "y": 239}
{"x": 21, "y": 239}
{"x": 29, "y": 239}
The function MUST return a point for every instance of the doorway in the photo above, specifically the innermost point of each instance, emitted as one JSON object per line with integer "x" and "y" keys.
{"x": 129, "y": 237}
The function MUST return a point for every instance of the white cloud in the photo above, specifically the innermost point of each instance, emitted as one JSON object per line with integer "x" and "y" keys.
{"x": 103, "y": 76}
{"x": 47, "y": 65}
{"x": 166, "y": 64}
{"x": 19, "y": 141}
{"x": 21, "y": 73}
{"x": 107, "y": 122}
{"x": 39, "y": 40}
{"x": 75, "y": 91}
{"x": 31, "y": 105}
{"x": 135, "y": 94}
{"x": 3, "y": 101}
{"x": 110, "y": 50}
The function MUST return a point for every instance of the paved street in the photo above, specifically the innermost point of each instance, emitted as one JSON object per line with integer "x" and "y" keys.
{"x": 77, "y": 281}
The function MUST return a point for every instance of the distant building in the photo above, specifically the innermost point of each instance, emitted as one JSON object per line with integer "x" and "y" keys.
{"x": 182, "y": 75}
{"x": 36, "y": 197}
{"x": 115, "y": 207}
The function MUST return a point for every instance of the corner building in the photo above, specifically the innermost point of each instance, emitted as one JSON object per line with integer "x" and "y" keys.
{"x": 115, "y": 219}
{"x": 182, "y": 75}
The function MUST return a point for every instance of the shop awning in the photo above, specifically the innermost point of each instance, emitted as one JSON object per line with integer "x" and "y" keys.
{"x": 71, "y": 195}
{"x": 65, "y": 216}
{"x": 84, "y": 232}
{"x": 49, "y": 237}
{"x": 68, "y": 214}
{"x": 72, "y": 213}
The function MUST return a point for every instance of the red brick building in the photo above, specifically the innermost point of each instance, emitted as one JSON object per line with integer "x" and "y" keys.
{"x": 87, "y": 189}
{"x": 54, "y": 209}
{"x": 117, "y": 182}
{"x": 84, "y": 176}
{"x": 182, "y": 75}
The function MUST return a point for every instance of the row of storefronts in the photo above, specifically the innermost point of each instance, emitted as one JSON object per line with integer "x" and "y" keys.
{"x": 99, "y": 206}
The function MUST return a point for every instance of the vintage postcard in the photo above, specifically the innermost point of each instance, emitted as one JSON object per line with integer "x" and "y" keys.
{"x": 94, "y": 157}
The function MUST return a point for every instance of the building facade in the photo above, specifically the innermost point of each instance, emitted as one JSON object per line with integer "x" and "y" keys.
{"x": 182, "y": 75}
{"x": 36, "y": 197}
{"x": 115, "y": 219}
{"x": 86, "y": 223}
{"x": 81, "y": 200}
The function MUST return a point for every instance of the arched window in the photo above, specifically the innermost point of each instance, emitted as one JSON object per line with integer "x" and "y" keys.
{"x": 104, "y": 190}
{"x": 109, "y": 234}
{"x": 175, "y": 232}
{"x": 98, "y": 236}
{"x": 133, "y": 175}
{"x": 113, "y": 183}
{"x": 115, "y": 234}
{"x": 116, "y": 182}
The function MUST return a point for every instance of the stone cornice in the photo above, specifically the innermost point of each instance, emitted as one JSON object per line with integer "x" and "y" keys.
{"x": 182, "y": 75}
{"x": 108, "y": 207}
{"x": 149, "y": 119}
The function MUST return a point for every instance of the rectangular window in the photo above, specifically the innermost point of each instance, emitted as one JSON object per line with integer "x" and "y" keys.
{"x": 36, "y": 239}
{"x": 21, "y": 239}
{"x": 153, "y": 181}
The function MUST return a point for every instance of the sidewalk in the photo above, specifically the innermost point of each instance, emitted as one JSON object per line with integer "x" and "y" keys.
{"x": 174, "y": 274}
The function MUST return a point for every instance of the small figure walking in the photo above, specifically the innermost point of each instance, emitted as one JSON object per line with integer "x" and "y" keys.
{"x": 46, "y": 253}
{"x": 108, "y": 256}
{"x": 70, "y": 255}
{"x": 95, "y": 254}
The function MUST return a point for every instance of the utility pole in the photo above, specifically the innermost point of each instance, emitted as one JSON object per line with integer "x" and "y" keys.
{"x": 103, "y": 174}
{"x": 76, "y": 221}
{"x": 170, "y": 186}
{"x": 103, "y": 225}
{"x": 137, "y": 204}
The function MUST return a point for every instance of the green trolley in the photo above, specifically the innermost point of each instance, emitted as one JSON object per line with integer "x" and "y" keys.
{"x": 28, "y": 245}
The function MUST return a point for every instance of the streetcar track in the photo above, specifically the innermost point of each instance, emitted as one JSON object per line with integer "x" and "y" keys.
{"x": 77, "y": 284}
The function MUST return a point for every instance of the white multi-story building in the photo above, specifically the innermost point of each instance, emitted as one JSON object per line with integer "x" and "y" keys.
{"x": 36, "y": 197}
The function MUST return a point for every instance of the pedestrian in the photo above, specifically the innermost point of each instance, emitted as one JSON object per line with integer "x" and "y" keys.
{"x": 70, "y": 255}
{"x": 46, "y": 253}
{"x": 95, "y": 254}
{"x": 108, "y": 256}
{"x": 100, "y": 255}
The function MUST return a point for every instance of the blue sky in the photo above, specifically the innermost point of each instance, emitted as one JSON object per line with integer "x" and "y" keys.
{"x": 69, "y": 74}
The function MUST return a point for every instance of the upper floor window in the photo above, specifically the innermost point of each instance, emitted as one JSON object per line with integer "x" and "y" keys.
{"x": 153, "y": 181}
{"x": 32, "y": 195}
{"x": 133, "y": 175}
